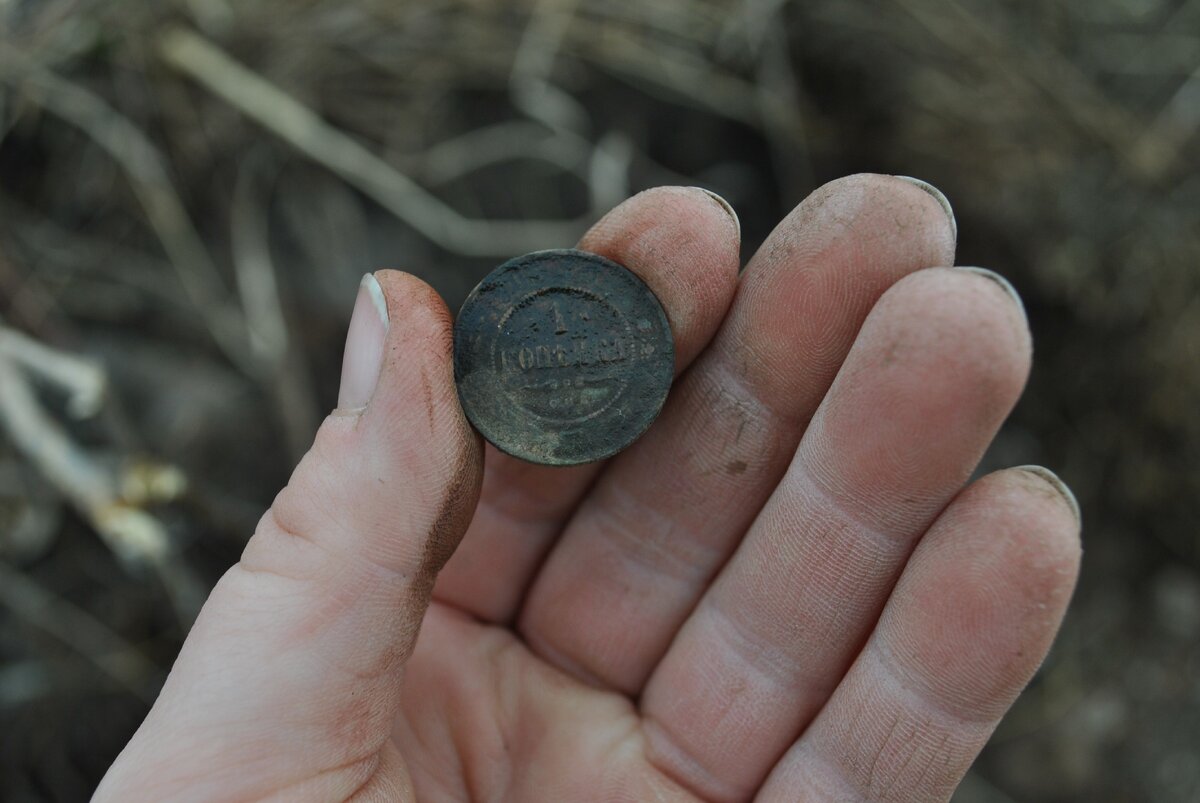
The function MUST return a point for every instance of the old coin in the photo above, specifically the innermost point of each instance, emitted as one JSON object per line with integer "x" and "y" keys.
{"x": 562, "y": 357}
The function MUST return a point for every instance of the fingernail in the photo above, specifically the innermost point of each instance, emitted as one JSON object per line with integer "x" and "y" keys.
{"x": 1060, "y": 486}
{"x": 363, "y": 357}
{"x": 737, "y": 224}
{"x": 937, "y": 196}
{"x": 1000, "y": 280}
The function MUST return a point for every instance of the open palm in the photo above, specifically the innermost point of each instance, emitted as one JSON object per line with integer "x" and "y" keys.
{"x": 785, "y": 589}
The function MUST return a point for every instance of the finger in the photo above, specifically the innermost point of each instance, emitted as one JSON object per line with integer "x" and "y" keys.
{"x": 291, "y": 671}
{"x": 683, "y": 243}
{"x": 666, "y": 514}
{"x": 936, "y": 368}
{"x": 966, "y": 627}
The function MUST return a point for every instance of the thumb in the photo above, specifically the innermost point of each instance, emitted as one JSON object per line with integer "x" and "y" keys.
{"x": 290, "y": 677}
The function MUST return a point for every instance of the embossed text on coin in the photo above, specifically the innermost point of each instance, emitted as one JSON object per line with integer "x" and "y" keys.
{"x": 562, "y": 357}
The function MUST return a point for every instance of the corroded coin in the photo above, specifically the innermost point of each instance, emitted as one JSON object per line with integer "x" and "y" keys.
{"x": 562, "y": 357}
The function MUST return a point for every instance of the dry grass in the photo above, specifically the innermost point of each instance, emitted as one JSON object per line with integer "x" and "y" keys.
{"x": 189, "y": 192}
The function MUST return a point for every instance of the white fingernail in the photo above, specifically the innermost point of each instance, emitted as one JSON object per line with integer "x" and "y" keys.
{"x": 363, "y": 357}
{"x": 938, "y": 196}
{"x": 1060, "y": 486}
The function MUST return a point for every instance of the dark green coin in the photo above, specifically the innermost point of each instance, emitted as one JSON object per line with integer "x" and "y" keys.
{"x": 562, "y": 357}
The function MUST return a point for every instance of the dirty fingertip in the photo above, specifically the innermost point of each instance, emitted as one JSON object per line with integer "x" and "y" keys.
{"x": 938, "y": 196}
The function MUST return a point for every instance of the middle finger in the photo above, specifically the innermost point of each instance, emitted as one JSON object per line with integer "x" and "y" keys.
{"x": 667, "y": 513}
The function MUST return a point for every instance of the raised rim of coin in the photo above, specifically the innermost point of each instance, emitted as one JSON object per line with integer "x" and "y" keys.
{"x": 562, "y": 357}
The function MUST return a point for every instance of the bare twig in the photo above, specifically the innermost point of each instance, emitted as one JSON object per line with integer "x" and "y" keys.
{"x": 282, "y": 367}
{"x": 519, "y": 139}
{"x": 257, "y": 286}
{"x": 135, "y": 536}
{"x": 529, "y": 82}
{"x": 683, "y": 76}
{"x": 83, "y": 380}
{"x": 781, "y": 119}
{"x": 287, "y": 118}
{"x": 132, "y": 534}
{"x": 608, "y": 170}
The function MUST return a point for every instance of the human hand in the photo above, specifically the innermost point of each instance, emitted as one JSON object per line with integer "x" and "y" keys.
{"x": 783, "y": 589}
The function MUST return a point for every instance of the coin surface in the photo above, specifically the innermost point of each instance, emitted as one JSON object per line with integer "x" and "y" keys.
{"x": 562, "y": 357}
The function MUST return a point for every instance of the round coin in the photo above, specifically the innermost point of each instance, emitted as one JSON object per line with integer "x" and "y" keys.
{"x": 562, "y": 357}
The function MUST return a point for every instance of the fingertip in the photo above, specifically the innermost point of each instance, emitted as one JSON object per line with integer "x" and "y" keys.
{"x": 1004, "y": 284}
{"x": 1059, "y": 487}
{"x": 727, "y": 208}
{"x": 938, "y": 365}
{"x": 1013, "y": 530}
{"x": 902, "y": 210}
{"x": 414, "y": 307}
{"x": 820, "y": 273}
{"x": 964, "y": 317}
{"x": 1044, "y": 517}
{"x": 420, "y": 335}
{"x": 660, "y": 215}
{"x": 685, "y": 246}
{"x": 939, "y": 197}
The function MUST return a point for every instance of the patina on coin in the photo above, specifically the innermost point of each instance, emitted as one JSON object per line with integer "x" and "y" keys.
{"x": 562, "y": 357}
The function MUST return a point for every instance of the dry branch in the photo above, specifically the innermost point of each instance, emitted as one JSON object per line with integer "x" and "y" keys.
{"x": 301, "y": 127}
{"x": 81, "y": 379}
{"x": 132, "y": 534}
{"x": 283, "y": 371}
{"x": 149, "y": 178}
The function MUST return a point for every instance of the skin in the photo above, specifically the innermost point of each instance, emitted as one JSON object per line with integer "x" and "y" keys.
{"x": 787, "y": 590}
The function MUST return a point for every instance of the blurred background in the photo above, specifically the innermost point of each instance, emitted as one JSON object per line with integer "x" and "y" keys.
{"x": 190, "y": 192}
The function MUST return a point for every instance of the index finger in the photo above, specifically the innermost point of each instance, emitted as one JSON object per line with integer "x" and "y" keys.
{"x": 683, "y": 242}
